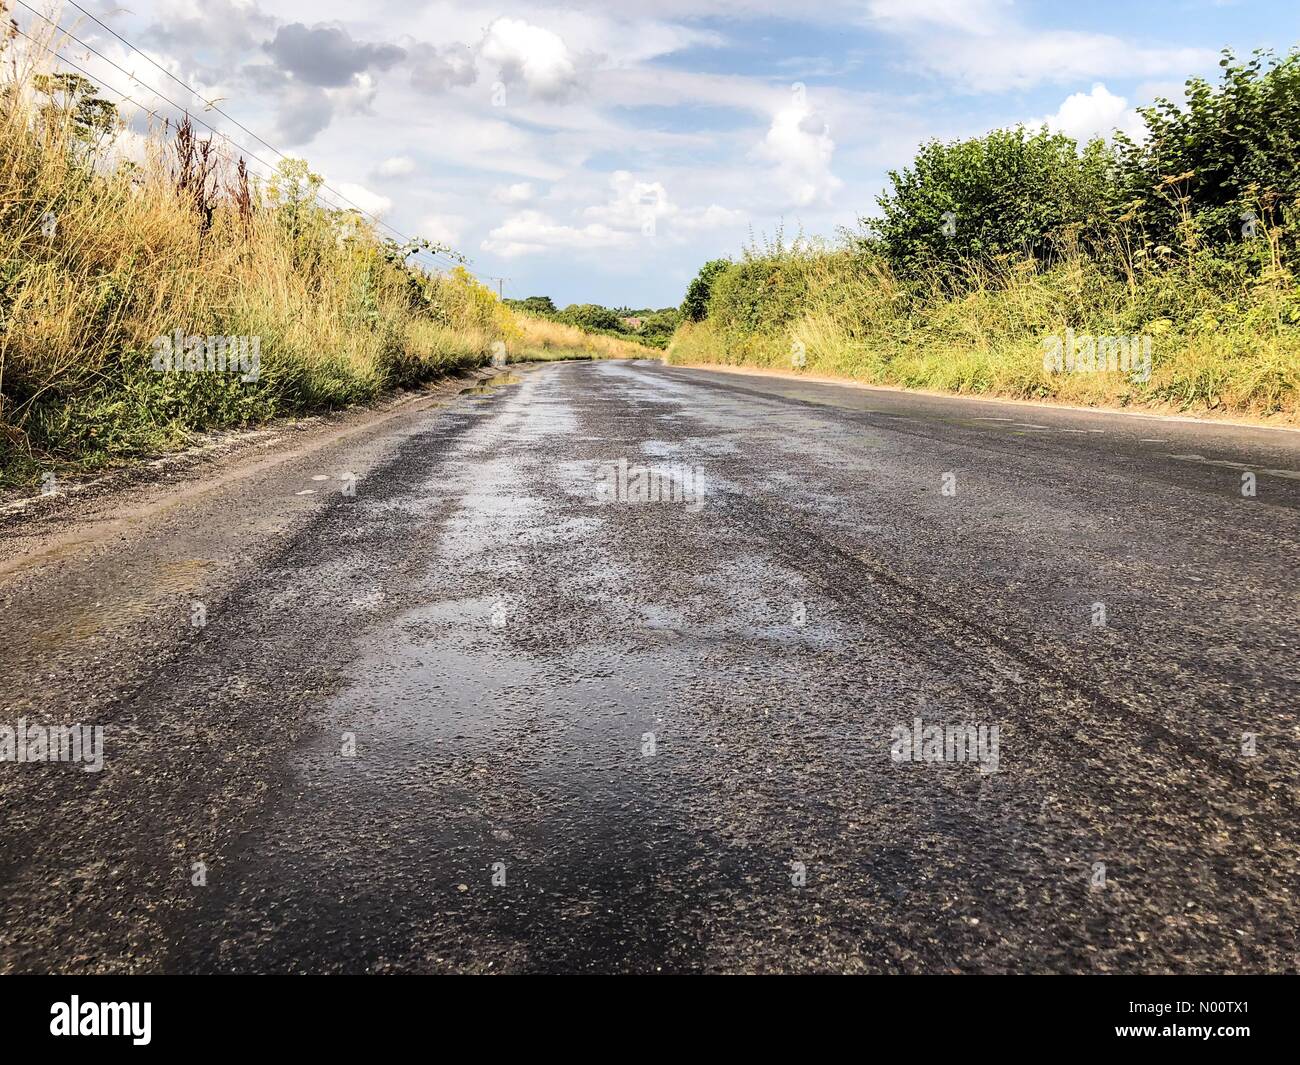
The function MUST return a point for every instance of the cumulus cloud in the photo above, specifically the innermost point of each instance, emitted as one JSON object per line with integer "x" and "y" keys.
{"x": 228, "y": 26}
{"x": 327, "y": 56}
{"x": 981, "y": 45}
{"x": 303, "y": 112}
{"x": 970, "y": 16}
{"x": 711, "y": 217}
{"x": 530, "y": 55}
{"x": 519, "y": 192}
{"x": 442, "y": 228}
{"x": 529, "y": 232}
{"x": 1021, "y": 59}
{"x": 799, "y": 145}
{"x": 635, "y": 209}
{"x": 641, "y": 206}
{"x": 632, "y": 204}
{"x": 396, "y": 166}
{"x": 435, "y": 69}
{"x": 513, "y": 51}
{"x": 1085, "y": 115}
{"x": 370, "y": 202}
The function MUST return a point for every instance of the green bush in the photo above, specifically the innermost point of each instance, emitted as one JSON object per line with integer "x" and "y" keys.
{"x": 761, "y": 292}
{"x": 1230, "y": 154}
{"x": 696, "y": 304}
{"x": 658, "y": 326}
{"x": 590, "y": 316}
{"x": 538, "y": 306}
{"x": 987, "y": 246}
{"x": 1010, "y": 192}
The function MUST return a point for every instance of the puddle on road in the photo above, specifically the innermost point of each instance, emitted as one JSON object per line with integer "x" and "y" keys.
{"x": 486, "y": 387}
{"x": 144, "y": 590}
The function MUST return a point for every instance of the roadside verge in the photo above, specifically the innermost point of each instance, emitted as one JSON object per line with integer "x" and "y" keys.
{"x": 1208, "y": 418}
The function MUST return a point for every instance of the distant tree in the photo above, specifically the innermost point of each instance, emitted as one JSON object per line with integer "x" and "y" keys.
{"x": 539, "y": 305}
{"x": 658, "y": 325}
{"x": 591, "y": 316}
{"x": 696, "y": 304}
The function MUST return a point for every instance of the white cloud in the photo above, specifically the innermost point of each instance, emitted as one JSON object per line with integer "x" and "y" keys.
{"x": 463, "y": 136}
{"x": 303, "y": 112}
{"x": 442, "y": 228}
{"x": 370, "y": 202}
{"x": 396, "y": 166}
{"x": 1169, "y": 89}
{"x": 519, "y": 192}
{"x": 711, "y": 217}
{"x": 670, "y": 87}
{"x": 635, "y": 210}
{"x": 1085, "y": 115}
{"x": 438, "y": 69}
{"x": 525, "y": 53}
{"x": 981, "y": 45}
{"x": 530, "y": 232}
{"x": 1022, "y": 59}
{"x": 970, "y": 16}
{"x": 799, "y": 144}
{"x": 633, "y": 204}
{"x": 641, "y": 206}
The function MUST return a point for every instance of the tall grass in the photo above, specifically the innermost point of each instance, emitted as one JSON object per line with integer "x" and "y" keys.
{"x": 990, "y": 251}
{"x": 545, "y": 339}
{"x": 110, "y": 239}
{"x": 1225, "y": 331}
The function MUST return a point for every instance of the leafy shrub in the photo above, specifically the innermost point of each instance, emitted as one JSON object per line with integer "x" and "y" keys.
{"x": 1010, "y": 192}
{"x": 590, "y": 316}
{"x": 1230, "y": 154}
{"x": 538, "y": 306}
{"x": 658, "y": 327}
{"x": 696, "y": 304}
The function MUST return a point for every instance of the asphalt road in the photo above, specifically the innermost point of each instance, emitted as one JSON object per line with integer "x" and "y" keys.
{"x": 469, "y": 710}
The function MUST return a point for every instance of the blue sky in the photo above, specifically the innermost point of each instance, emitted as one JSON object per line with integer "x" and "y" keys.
{"x": 600, "y": 151}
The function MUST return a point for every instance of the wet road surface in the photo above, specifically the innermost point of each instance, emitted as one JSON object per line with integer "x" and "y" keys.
{"x": 468, "y": 713}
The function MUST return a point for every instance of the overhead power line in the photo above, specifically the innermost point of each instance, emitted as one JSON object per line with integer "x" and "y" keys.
{"x": 208, "y": 104}
{"x": 437, "y": 259}
{"x": 206, "y": 125}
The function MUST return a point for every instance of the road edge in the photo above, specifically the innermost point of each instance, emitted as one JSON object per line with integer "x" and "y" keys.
{"x": 850, "y": 382}
{"x": 34, "y": 525}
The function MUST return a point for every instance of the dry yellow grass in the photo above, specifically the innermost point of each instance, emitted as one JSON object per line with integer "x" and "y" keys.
{"x": 541, "y": 338}
{"x": 102, "y": 254}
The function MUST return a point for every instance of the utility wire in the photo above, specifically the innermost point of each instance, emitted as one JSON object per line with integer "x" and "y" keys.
{"x": 442, "y": 263}
{"x": 253, "y": 155}
{"x": 211, "y": 105}
{"x": 149, "y": 111}
{"x": 208, "y": 104}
